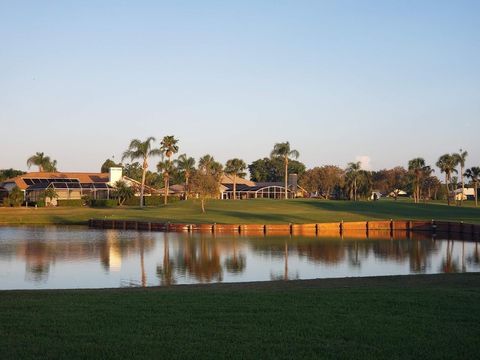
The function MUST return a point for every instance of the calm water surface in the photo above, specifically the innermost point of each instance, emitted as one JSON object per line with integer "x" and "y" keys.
{"x": 76, "y": 257}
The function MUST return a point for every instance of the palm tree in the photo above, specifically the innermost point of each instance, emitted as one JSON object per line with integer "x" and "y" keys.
{"x": 235, "y": 167}
{"x": 51, "y": 166}
{"x": 474, "y": 174}
{"x": 447, "y": 163}
{"x": 417, "y": 167}
{"x": 169, "y": 146}
{"x": 186, "y": 165}
{"x": 40, "y": 160}
{"x": 461, "y": 158}
{"x": 123, "y": 192}
{"x": 282, "y": 150}
{"x": 141, "y": 150}
{"x": 205, "y": 163}
{"x": 209, "y": 166}
{"x": 353, "y": 169}
{"x": 167, "y": 168}
{"x": 427, "y": 181}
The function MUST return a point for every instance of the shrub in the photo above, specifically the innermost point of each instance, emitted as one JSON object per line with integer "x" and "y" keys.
{"x": 103, "y": 203}
{"x": 71, "y": 202}
{"x": 15, "y": 198}
{"x": 150, "y": 200}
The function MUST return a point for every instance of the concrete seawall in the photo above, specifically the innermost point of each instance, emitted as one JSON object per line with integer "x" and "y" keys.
{"x": 318, "y": 229}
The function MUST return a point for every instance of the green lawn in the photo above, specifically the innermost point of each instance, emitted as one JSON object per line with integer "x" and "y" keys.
{"x": 251, "y": 211}
{"x": 421, "y": 317}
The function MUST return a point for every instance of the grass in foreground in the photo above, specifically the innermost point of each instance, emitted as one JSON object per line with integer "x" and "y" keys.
{"x": 250, "y": 211}
{"x": 394, "y": 317}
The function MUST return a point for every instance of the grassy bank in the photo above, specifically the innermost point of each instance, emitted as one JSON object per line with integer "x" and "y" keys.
{"x": 395, "y": 317}
{"x": 251, "y": 211}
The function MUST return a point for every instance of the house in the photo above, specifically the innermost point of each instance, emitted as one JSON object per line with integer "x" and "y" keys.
{"x": 247, "y": 189}
{"x": 468, "y": 194}
{"x": 71, "y": 185}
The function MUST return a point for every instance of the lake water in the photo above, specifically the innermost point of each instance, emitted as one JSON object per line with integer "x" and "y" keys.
{"x": 77, "y": 257}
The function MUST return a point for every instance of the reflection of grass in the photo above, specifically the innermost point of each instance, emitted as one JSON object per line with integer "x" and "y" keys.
{"x": 396, "y": 317}
{"x": 250, "y": 211}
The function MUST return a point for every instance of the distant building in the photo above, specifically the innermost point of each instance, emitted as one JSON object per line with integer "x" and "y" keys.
{"x": 468, "y": 194}
{"x": 71, "y": 185}
{"x": 247, "y": 189}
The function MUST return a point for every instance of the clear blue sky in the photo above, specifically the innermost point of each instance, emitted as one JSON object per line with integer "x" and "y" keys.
{"x": 387, "y": 80}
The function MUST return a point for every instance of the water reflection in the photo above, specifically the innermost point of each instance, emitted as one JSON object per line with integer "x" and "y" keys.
{"x": 66, "y": 257}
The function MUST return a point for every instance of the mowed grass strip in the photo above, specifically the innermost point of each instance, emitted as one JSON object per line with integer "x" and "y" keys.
{"x": 399, "y": 317}
{"x": 259, "y": 211}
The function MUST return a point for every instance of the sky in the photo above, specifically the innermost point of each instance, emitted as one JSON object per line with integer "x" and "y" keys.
{"x": 378, "y": 81}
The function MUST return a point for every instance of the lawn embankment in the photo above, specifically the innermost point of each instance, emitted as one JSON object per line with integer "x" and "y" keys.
{"x": 248, "y": 211}
{"x": 432, "y": 316}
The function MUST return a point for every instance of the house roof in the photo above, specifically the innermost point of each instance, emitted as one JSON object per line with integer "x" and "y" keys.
{"x": 82, "y": 177}
{"x": 227, "y": 179}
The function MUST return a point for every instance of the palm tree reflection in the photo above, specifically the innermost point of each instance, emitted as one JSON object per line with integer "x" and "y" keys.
{"x": 237, "y": 262}
{"x": 166, "y": 272}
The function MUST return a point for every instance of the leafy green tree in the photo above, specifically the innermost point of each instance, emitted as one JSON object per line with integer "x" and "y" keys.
{"x": 133, "y": 171}
{"x": 206, "y": 185}
{"x": 205, "y": 181}
{"x": 235, "y": 168}
{"x": 272, "y": 169}
{"x": 141, "y": 150}
{"x": 43, "y": 162}
{"x": 447, "y": 163}
{"x": 185, "y": 166}
{"x": 461, "y": 159}
{"x": 123, "y": 192}
{"x": 322, "y": 180}
{"x": 283, "y": 151}
{"x": 108, "y": 164}
{"x": 169, "y": 146}
{"x": 264, "y": 170}
{"x": 351, "y": 175}
{"x": 474, "y": 175}
{"x": 167, "y": 169}
{"x": 10, "y": 173}
{"x": 15, "y": 198}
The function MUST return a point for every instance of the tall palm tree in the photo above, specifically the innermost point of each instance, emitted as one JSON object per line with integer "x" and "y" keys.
{"x": 205, "y": 163}
{"x": 461, "y": 158}
{"x": 40, "y": 160}
{"x": 353, "y": 170}
{"x": 474, "y": 174}
{"x": 50, "y": 166}
{"x": 167, "y": 168}
{"x": 282, "y": 150}
{"x": 426, "y": 180}
{"x": 417, "y": 167}
{"x": 169, "y": 146}
{"x": 447, "y": 163}
{"x": 186, "y": 165}
{"x": 235, "y": 167}
{"x": 141, "y": 150}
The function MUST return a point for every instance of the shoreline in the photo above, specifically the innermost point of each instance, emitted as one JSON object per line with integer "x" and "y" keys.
{"x": 395, "y": 281}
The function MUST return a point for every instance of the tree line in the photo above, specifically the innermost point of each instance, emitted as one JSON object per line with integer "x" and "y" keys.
{"x": 328, "y": 181}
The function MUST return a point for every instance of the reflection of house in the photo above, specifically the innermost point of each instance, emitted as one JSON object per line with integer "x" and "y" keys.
{"x": 71, "y": 185}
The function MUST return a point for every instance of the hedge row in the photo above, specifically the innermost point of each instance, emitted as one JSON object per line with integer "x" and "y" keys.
{"x": 72, "y": 202}
{"x": 150, "y": 200}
